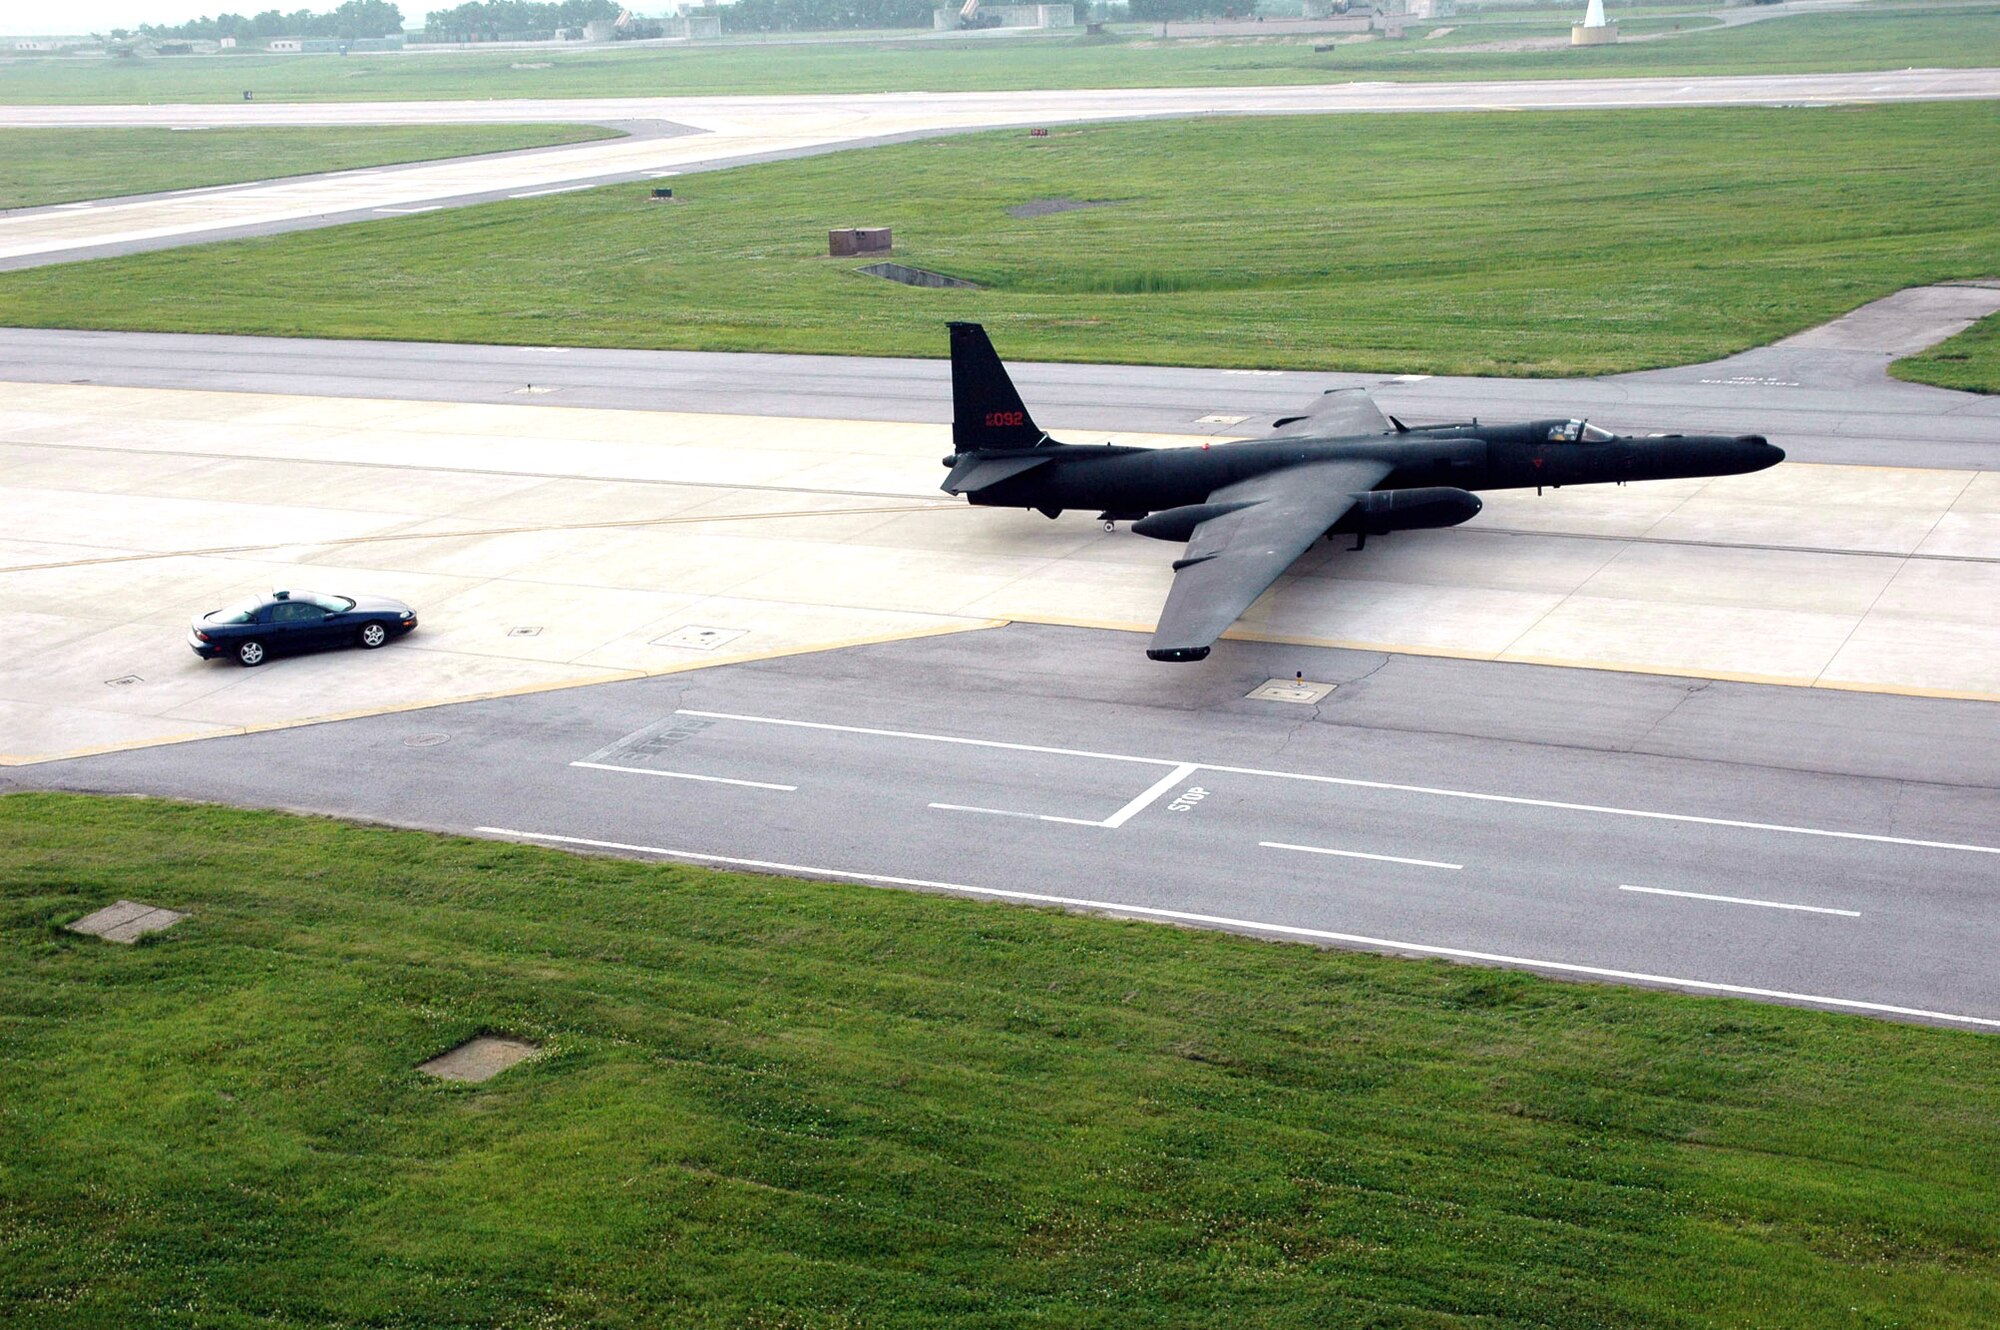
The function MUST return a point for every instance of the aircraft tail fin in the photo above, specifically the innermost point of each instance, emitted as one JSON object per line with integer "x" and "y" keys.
{"x": 986, "y": 411}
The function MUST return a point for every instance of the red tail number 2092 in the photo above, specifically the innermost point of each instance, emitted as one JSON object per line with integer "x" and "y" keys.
{"x": 1004, "y": 418}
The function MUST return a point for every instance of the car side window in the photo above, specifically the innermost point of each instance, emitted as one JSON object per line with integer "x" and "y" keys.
{"x": 296, "y": 611}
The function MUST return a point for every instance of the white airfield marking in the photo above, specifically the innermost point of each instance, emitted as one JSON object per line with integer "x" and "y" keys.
{"x": 1009, "y": 812}
{"x": 559, "y": 189}
{"x": 1153, "y": 792}
{"x": 1356, "y": 783}
{"x": 684, "y": 775}
{"x": 1356, "y": 854}
{"x": 1253, "y": 926}
{"x": 1118, "y": 819}
{"x": 1743, "y": 900}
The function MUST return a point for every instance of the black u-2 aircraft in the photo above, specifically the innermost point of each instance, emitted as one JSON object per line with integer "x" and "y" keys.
{"x": 1248, "y": 510}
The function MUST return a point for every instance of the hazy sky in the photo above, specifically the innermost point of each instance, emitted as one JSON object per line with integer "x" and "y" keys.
{"x": 21, "y": 16}
{"x": 77, "y": 16}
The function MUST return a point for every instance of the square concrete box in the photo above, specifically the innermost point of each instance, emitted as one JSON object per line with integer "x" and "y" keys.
{"x": 858, "y": 240}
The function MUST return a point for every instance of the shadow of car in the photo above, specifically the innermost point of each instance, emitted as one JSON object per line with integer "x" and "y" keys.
{"x": 289, "y": 621}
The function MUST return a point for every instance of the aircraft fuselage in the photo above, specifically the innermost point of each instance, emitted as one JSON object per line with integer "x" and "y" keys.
{"x": 1469, "y": 457}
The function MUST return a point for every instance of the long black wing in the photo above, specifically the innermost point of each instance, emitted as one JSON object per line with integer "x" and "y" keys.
{"x": 1231, "y": 559}
{"x": 1340, "y": 413}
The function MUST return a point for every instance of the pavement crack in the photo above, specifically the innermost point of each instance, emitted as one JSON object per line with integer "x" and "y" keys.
{"x": 1686, "y": 696}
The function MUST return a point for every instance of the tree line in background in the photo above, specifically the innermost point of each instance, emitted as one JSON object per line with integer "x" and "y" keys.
{"x": 355, "y": 18}
{"x": 827, "y": 15}
{"x": 490, "y": 20}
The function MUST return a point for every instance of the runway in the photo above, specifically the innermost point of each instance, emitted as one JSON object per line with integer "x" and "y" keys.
{"x": 1822, "y": 395}
{"x": 712, "y": 132}
{"x": 1722, "y": 839}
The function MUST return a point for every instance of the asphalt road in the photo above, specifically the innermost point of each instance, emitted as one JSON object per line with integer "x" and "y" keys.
{"x": 1823, "y": 396}
{"x": 731, "y": 131}
{"x": 1839, "y": 850}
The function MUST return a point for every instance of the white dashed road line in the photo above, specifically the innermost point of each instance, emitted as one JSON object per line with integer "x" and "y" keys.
{"x": 684, "y": 775}
{"x": 1743, "y": 900}
{"x": 1356, "y": 854}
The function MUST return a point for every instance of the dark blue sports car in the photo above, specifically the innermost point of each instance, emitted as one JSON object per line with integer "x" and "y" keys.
{"x": 297, "y": 621}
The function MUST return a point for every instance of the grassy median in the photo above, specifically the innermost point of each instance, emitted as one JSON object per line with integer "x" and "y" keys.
{"x": 44, "y": 166}
{"x": 1512, "y": 244}
{"x": 766, "y": 1102}
{"x": 1970, "y": 361}
{"x": 1471, "y": 47}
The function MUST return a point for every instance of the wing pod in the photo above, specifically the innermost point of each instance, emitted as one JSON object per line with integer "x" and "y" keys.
{"x": 1178, "y": 524}
{"x": 1379, "y": 512}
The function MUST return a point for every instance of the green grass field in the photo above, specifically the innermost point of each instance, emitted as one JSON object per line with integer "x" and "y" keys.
{"x": 1970, "y": 361}
{"x": 776, "y": 1103}
{"x": 1513, "y": 244}
{"x": 1892, "y": 38}
{"x": 43, "y": 166}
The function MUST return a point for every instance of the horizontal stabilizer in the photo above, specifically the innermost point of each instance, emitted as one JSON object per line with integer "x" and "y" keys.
{"x": 975, "y": 472}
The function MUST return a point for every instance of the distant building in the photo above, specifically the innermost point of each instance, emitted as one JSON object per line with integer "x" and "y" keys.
{"x": 286, "y": 44}
{"x": 1010, "y": 16}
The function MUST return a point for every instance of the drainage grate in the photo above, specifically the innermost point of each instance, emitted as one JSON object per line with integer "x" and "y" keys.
{"x": 908, "y": 276}
{"x": 697, "y": 638}
{"x": 1302, "y": 691}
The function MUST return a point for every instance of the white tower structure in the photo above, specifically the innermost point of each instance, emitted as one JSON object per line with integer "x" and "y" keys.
{"x": 1595, "y": 30}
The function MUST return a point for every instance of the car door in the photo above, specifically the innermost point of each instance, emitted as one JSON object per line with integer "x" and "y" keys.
{"x": 296, "y": 625}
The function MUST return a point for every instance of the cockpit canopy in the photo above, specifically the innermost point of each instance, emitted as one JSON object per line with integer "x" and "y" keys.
{"x": 1579, "y": 431}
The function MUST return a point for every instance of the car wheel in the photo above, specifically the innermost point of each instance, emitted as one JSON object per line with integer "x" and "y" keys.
{"x": 250, "y": 652}
{"x": 372, "y": 635}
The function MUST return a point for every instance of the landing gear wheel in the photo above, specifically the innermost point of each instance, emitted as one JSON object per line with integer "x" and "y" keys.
{"x": 372, "y": 635}
{"x": 1110, "y": 526}
{"x": 249, "y": 652}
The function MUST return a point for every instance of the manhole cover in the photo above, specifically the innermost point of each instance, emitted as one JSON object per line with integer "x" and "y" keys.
{"x": 1302, "y": 691}
{"x": 425, "y": 740}
{"x": 697, "y": 638}
{"x": 1220, "y": 420}
{"x": 123, "y": 681}
{"x": 533, "y": 630}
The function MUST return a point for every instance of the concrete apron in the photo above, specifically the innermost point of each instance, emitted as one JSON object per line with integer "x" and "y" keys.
{"x": 548, "y": 547}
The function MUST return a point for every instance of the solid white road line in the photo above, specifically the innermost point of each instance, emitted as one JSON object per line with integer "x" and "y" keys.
{"x": 1252, "y": 926}
{"x": 684, "y": 775}
{"x": 1351, "y": 782}
{"x": 1356, "y": 854}
{"x": 559, "y": 189}
{"x": 1743, "y": 900}
{"x": 1008, "y": 812}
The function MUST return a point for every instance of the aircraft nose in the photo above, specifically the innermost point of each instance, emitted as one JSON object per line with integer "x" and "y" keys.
{"x": 1757, "y": 452}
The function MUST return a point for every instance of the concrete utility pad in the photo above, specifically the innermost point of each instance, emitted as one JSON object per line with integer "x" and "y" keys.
{"x": 479, "y": 1059}
{"x": 547, "y": 546}
{"x": 126, "y": 921}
